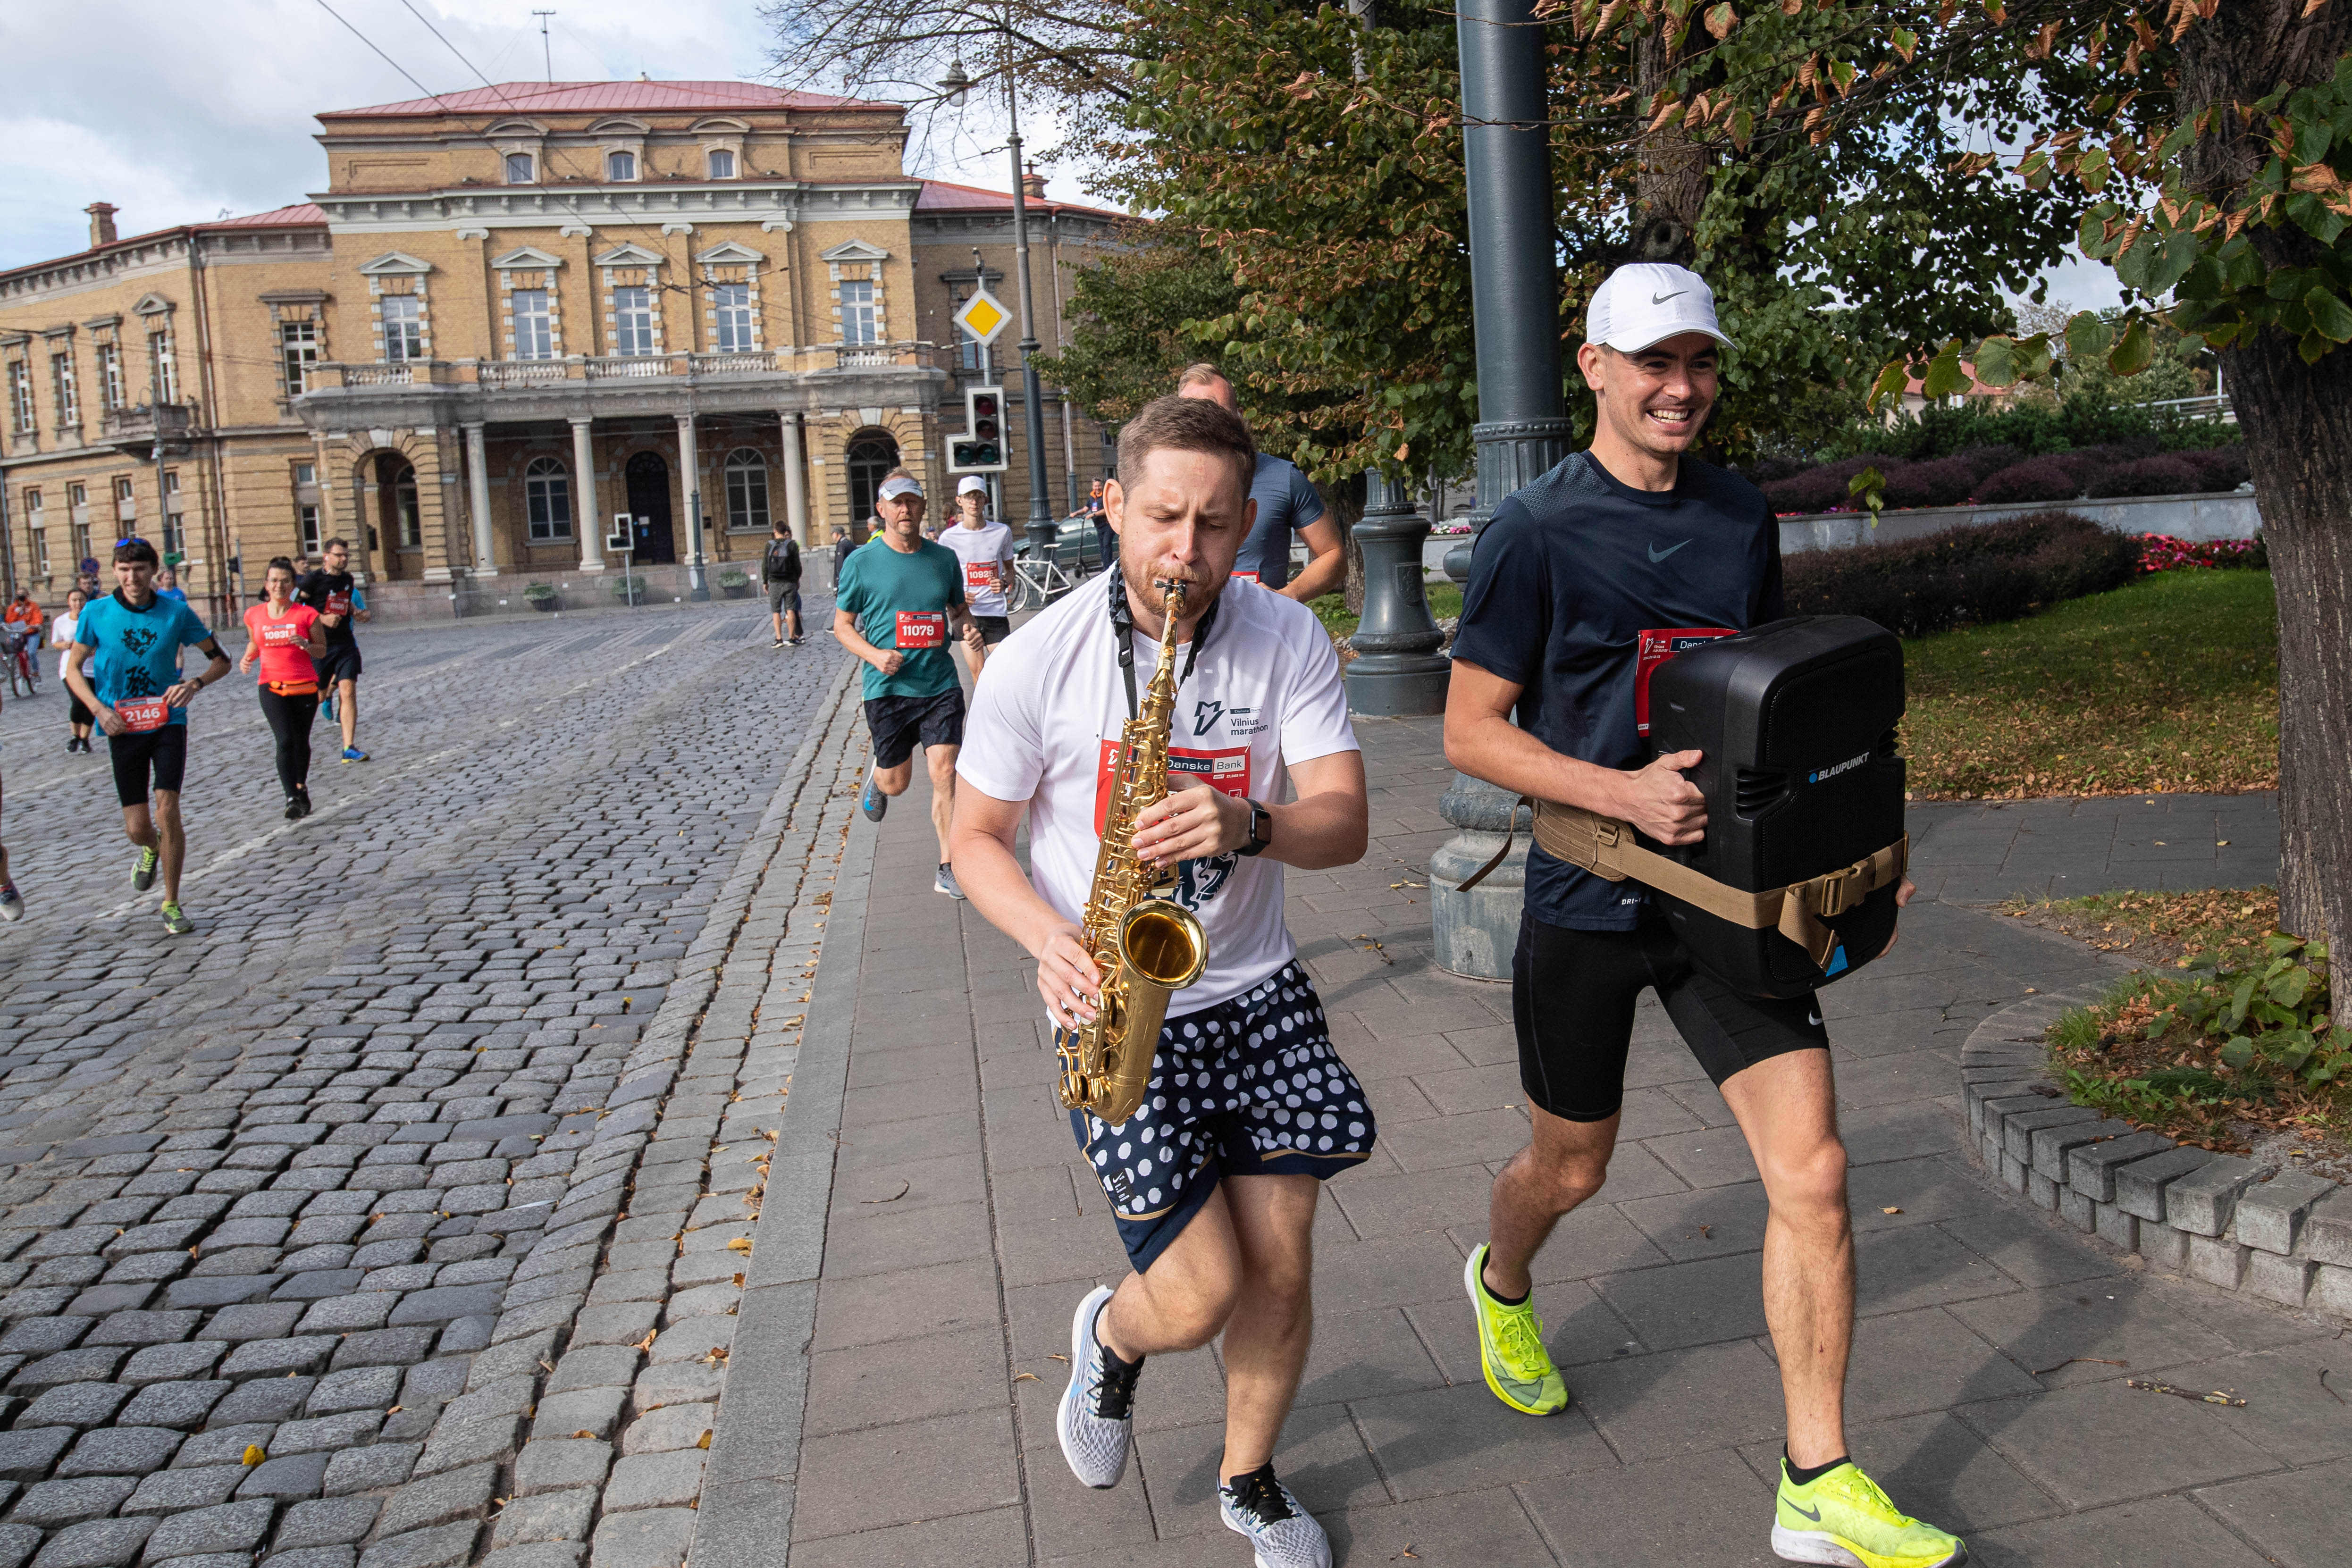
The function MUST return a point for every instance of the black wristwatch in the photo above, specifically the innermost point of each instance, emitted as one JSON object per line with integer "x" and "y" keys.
{"x": 1261, "y": 830}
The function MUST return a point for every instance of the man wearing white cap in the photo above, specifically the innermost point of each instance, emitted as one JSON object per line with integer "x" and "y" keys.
{"x": 1583, "y": 582}
{"x": 985, "y": 549}
{"x": 893, "y": 607}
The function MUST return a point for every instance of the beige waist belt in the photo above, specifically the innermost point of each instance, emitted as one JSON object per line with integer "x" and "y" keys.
{"x": 1606, "y": 848}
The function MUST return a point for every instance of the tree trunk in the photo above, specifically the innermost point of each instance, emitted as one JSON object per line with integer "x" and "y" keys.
{"x": 1671, "y": 184}
{"x": 1344, "y": 505}
{"x": 2297, "y": 420}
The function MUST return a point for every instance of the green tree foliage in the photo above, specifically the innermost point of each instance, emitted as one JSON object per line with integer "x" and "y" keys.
{"x": 1141, "y": 315}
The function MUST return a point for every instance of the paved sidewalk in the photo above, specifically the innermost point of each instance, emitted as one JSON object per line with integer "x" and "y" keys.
{"x": 1998, "y": 850}
{"x": 896, "y": 1363}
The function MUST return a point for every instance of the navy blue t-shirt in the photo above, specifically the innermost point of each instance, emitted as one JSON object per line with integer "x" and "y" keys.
{"x": 1564, "y": 580}
{"x": 1286, "y": 501}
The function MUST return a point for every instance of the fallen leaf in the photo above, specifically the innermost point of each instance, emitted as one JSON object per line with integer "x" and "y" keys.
{"x": 646, "y": 1343}
{"x": 253, "y": 1455}
{"x": 1026, "y": 1377}
{"x": 740, "y": 1244}
{"x": 703, "y": 1441}
{"x": 394, "y": 1410}
{"x": 739, "y": 1281}
{"x": 1062, "y": 1359}
{"x": 583, "y": 1432}
{"x": 1890, "y": 1208}
{"x": 545, "y": 1367}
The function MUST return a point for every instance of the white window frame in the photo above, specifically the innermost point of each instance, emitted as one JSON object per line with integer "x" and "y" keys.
{"x": 69, "y": 395}
{"x": 20, "y": 396}
{"x": 111, "y": 392}
{"x": 298, "y": 350}
{"x": 306, "y": 527}
{"x": 175, "y": 532}
{"x": 634, "y": 335}
{"x": 547, "y": 490}
{"x": 620, "y": 167}
{"x": 163, "y": 367}
{"x": 534, "y": 328}
{"x": 36, "y": 522}
{"x": 404, "y": 329}
{"x": 732, "y": 329}
{"x": 861, "y": 317}
{"x": 530, "y": 169}
{"x": 747, "y": 491}
{"x": 715, "y": 156}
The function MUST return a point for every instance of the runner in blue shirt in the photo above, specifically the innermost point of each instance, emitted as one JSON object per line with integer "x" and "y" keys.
{"x": 124, "y": 666}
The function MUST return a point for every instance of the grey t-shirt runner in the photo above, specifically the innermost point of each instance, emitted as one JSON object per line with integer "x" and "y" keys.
{"x": 1286, "y": 502}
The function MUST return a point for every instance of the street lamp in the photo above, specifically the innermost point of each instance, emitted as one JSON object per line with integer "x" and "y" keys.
{"x": 954, "y": 88}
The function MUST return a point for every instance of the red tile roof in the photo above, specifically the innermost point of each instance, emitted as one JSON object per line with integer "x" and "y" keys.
{"x": 607, "y": 98}
{"x": 943, "y": 196}
{"x": 301, "y": 214}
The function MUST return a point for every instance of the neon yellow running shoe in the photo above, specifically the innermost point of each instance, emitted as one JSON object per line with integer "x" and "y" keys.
{"x": 1511, "y": 1348}
{"x": 1843, "y": 1518}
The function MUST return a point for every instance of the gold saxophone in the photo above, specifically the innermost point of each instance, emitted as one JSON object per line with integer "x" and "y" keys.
{"x": 1147, "y": 948}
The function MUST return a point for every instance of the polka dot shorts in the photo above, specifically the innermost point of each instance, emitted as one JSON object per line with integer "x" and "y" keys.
{"x": 1250, "y": 1086}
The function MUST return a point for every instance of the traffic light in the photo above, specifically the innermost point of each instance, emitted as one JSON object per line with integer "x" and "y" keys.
{"x": 981, "y": 448}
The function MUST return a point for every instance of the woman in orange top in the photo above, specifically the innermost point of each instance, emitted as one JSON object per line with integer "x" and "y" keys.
{"x": 284, "y": 637}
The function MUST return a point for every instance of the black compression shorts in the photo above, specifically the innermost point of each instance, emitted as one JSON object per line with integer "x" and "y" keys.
{"x": 1572, "y": 996}
{"x": 163, "y": 753}
{"x": 899, "y": 724}
{"x": 341, "y": 664}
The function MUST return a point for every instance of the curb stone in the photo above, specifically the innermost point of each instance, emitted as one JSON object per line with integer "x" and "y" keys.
{"x": 2234, "y": 1224}
{"x": 586, "y": 1233}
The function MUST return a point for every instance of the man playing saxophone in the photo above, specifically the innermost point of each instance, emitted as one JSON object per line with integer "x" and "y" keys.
{"x": 1213, "y": 1180}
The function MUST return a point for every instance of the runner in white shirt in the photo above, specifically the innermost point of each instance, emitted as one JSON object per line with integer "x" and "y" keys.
{"x": 1213, "y": 1180}
{"x": 986, "y": 550}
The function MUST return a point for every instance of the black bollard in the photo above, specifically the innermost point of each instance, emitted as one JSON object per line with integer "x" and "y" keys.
{"x": 1397, "y": 671}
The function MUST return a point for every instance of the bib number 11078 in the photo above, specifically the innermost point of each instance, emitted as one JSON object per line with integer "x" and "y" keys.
{"x": 922, "y": 629}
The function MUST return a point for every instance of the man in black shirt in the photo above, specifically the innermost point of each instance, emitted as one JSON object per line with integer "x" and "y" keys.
{"x": 779, "y": 573}
{"x": 1582, "y": 582}
{"x": 329, "y": 591}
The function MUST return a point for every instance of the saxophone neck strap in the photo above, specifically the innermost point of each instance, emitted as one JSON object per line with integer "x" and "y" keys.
{"x": 1122, "y": 626}
{"x": 1608, "y": 848}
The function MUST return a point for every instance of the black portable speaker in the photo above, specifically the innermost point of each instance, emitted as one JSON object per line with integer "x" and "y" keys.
{"x": 1801, "y": 777}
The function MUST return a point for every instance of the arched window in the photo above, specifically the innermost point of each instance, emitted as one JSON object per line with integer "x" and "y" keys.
{"x": 547, "y": 499}
{"x": 620, "y": 166}
{"x": 519, "y": 170}
{"x": 722, "y": 163}
{"x": 746, "y": 489}
{"x": 871, "y": 455}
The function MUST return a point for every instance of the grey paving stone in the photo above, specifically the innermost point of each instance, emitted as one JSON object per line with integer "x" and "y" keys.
{"x": 439, "y": 1547}
{"x": 322, "y": 1433}
{"x": 327, "y": 1521}
{"x": 385, "y": 1347}
{"x": 220, "y": 1444}
{"x": 647, "y": 1538}
{"x": 100, "y": 1543}
{"x": 2204, "y": 1201}
{"x": 315, "y": 1557}
{"x": 439, "y": 1500}
{"x": 2139, "y": 1185}
{"x": 27, "y": 1453}
{"x": 17, "y": 1545}
{"x": 272, "y": 1399}
{"x": 44, "y": 1336}
{"x": 551, "y": 1516}
{"x": 272, "y": 1320}
{"x": 371, "y": 1469}
{"x": 443, "y": 1305}
{"x": 230, "y": 1527}
{"x": 2271, "y": 1214}
{"x": 121, "y": 1451}
{"x": 671, "y": 1479}
{"x": 181, "y": 1404}
{"x": 78, "y": 1404}
{"x": 53, "y": 1505}
{"x": 286, "y": 1478}
{"x": 170, "y": 1363}
{"x": 372, "y": 1388}
{"x": 176, "y": 1491}
{"x": 87, "y": 1364}
{"x": 276, "y": 1357}
{"x": 556, "y": 1464}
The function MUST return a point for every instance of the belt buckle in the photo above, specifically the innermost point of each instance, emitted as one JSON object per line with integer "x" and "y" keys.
{"x": 1833, "y": 898}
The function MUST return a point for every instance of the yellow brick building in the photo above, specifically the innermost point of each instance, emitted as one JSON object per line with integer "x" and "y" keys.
{"x": 521, "y": 327}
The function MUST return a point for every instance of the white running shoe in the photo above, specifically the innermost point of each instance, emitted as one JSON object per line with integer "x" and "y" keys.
{"x": 1284, "y": 1534}
{"x": 1094, "y": 1422}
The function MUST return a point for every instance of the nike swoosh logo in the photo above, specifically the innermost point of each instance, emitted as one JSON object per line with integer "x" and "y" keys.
{"x": 1813, "y": 1513}
{"x": 1662, "y": 298}
{"x": 1658, "y": 555}
{"x": 1813, "y": 1019}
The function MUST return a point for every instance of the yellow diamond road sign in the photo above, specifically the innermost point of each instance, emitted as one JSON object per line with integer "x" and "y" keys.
{"x": 982, "y": 316}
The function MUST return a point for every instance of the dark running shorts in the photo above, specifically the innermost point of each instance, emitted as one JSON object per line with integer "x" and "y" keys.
{"x": 994, "y": 629}
{"x": 1572, "y": 995}
{"x": 783, "y": 596}
{"x": 900, "y": 723}
{"x": 163, "y": 753}
{"x": 341, "y": 664}
{"x": 1250, "y": 1086}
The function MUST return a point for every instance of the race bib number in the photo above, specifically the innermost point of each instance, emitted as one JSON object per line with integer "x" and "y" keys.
{"x": 1227, "y": 771}
{"x": 979, "y": 577}
{"x": 1248, "y": 576}
{"x": 922, "y": 629}
{"x": 338, "y": 604}
{"x": 141, "y": 714}
{"x": 1654, "y": 649}
{"x": 280, "y": 633}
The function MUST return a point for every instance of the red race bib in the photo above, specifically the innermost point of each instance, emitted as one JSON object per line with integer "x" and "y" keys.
{"x": 1248, "y": 576}
{"x": 922, "y": 629}
{"x": 979, "y": 577}
{"x": 1655, "y": 648}
{"x": 279, "y": 633}
{"x": 339, "y": 604}
{"x": 1227, "y": 771}
{"x": 141, "y": 714}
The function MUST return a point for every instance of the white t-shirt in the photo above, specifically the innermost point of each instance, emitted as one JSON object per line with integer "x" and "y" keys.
{"x": 986, "y": 551}
{"x": 1045, "y": 725}
{"x": 61, "y": 637}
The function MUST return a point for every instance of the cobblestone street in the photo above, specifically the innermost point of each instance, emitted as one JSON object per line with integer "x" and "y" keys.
{"x": 297, "y": 1213}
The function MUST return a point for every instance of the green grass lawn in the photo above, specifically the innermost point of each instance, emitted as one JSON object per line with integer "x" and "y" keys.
{"x": 1444, "y": 600}
{"x": 2168, "y": 683}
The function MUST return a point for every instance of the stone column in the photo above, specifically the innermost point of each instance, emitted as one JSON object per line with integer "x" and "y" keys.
{"x": 796, "y": 514}
{"x": 585, "y": 516}
{"x": 689, "y": 484}
{"x": 478, "y": 501}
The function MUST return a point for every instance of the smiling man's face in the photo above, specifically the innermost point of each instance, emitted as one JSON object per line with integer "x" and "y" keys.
{"x": 1656, "y": 399}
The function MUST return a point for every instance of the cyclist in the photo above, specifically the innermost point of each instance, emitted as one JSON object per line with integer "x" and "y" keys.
{"x": 78, "y": 718}
{"x": 131, "y": 642}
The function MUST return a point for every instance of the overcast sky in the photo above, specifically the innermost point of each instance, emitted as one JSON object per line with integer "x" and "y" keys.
{"x": 184, "y": 110}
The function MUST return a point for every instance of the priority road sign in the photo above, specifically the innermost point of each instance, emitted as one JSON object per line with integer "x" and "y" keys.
{"x": 981, "y": 316}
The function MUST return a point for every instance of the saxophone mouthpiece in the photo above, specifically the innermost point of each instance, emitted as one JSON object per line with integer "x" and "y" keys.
{"x": 1172, "y": 592}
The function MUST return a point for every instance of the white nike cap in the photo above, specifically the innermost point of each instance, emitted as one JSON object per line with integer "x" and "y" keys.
{"x": 971, "y": 485}
{"x": 1647, "y": 302}
{"x": 894, "y": 488}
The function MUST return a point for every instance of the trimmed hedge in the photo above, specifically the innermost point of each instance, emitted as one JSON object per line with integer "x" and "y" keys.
{"x": 2002, "y": 475}
{"x": 1992, "y": 571}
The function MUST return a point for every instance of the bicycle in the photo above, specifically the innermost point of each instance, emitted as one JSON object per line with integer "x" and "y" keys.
{"x": 24, "y": 664}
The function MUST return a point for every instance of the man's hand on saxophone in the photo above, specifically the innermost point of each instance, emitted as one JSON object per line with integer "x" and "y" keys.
{"x": 1193, "y": 822}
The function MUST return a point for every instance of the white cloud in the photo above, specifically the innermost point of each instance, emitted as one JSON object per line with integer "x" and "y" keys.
{"x": 188, "y": 108}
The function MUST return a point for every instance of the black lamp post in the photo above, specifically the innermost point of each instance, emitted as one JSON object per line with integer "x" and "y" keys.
{"x": 1520, "y": 434}
{"x": 1040, "y": 529}
{"x": 1397, "y": 671}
